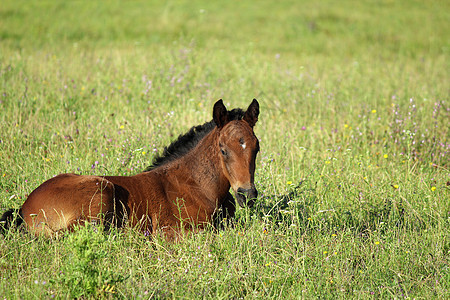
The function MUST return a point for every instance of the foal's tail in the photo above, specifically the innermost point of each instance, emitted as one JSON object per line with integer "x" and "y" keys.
{"x": 11, "y": 218}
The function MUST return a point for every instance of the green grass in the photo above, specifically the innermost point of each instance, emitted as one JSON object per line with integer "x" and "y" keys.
{"x": 353, "y": 173}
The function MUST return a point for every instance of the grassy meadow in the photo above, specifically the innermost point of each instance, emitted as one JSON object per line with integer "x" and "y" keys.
{"x": 353, "y": 174}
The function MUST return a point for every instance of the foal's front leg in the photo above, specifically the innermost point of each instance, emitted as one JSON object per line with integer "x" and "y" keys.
{"x": 225, "y": 213}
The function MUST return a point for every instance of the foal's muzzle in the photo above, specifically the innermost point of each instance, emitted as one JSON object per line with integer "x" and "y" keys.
{"x": 246, "y": 196}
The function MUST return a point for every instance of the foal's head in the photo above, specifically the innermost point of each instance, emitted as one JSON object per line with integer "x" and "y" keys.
{"x": 238, "y": 148}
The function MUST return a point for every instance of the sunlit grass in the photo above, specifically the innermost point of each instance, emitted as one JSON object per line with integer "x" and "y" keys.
{"x": 353, "y": 171}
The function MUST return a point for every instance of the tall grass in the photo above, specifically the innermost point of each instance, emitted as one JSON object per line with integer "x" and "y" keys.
{"x": 353, "y": 171}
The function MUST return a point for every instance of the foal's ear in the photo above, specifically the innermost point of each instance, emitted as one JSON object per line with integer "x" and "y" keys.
{"x": 220, "y": 114}
{"x": 252, "y": 113}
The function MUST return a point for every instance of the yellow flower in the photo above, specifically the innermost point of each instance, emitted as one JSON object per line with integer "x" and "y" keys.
{"x": 143, "y": 152}
{"x": 334, "y": 234}
{"x": 346, "y": 125}
{"x": 374, "y": 111}
{"x": 122, "y": 127}
{"x": 385, "y": 156}
{"x": 395, "y": 186}
{"x": 309, "y": 219}
{"x": 433, "y": 188}
{"x": 325, "y": 252}
{"x": 377, "y": 243}
{"x": 289, "y": 182}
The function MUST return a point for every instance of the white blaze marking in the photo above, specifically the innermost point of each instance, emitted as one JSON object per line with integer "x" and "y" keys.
{"x": 243, "y": 146}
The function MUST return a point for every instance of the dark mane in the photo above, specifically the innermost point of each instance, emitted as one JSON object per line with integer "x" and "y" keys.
{"x": 186, "y": 142}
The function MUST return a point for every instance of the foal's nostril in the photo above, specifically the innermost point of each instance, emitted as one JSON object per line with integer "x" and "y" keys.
{"x": 253, "y": 193}
{"x": 247, "y": 196}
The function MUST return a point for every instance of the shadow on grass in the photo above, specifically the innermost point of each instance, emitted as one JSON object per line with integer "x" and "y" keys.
{"x": 300, "y": 206}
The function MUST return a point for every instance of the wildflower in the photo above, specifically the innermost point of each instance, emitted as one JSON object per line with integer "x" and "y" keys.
{"x": 385, "y": 156}
{"x": 374, "y": 111}
{"x": 143, "y": 152}
{"x": 325, "y": 252}
{"x": 122, "y": 127}
{"x": 433, "y": 188}
{"x": 309, "y": 218}
{"x": 377, "y": 243}
{"x": 395, "y": 186}
{"x": 333, "y": 235}
{"x": 289, "y": 182}
{"x": 346, "y": 125}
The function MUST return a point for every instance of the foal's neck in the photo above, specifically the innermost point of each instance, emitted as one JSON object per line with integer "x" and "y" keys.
{"x": 205, "y": 167}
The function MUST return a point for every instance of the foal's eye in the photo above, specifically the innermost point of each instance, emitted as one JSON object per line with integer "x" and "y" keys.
{"x": 224, "y": 153}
